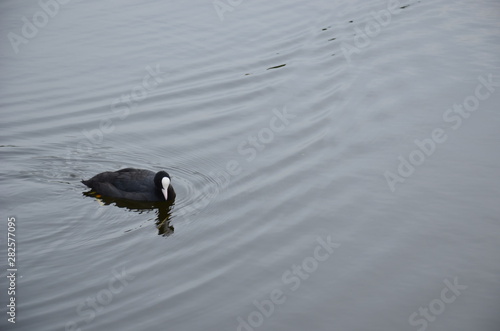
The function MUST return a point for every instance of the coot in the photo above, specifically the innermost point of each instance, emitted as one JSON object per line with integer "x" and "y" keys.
{"x": 133, "y": 184}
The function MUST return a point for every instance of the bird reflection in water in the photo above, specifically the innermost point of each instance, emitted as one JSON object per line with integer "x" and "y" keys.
{"x": 163, "y": 210}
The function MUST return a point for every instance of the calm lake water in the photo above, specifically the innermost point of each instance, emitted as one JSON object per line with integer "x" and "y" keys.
{"x": 336, "y": 164}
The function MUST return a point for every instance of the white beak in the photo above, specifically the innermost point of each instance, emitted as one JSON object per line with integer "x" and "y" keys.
{"x": 165, "y": 182}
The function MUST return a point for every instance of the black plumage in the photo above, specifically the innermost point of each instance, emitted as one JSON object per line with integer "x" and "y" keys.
{"x": 132, "y": 184}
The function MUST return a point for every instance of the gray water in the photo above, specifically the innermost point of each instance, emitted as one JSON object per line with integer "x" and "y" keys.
{"x": 335, "y": 168}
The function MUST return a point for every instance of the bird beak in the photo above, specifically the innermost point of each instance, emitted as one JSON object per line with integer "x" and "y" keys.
{"x": 165, "y": 182}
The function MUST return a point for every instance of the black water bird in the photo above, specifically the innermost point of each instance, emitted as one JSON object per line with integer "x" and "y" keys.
{"x": 133, "y": 184}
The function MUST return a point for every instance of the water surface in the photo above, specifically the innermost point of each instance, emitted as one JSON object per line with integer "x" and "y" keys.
{"x": 292, "y": 133}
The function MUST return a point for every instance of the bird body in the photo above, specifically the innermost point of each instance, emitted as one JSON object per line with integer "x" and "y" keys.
{"x": 133, "y": 184}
